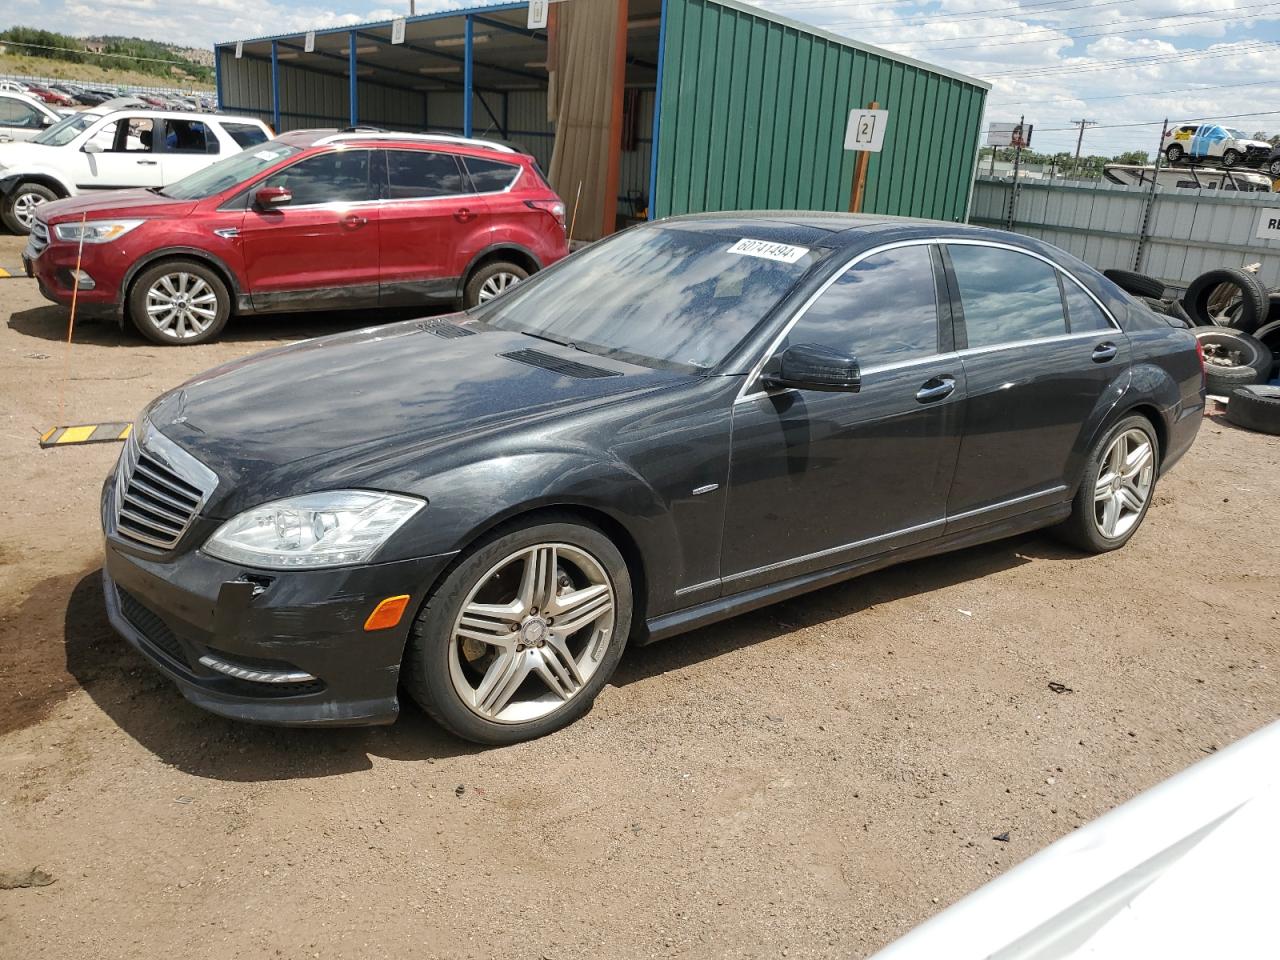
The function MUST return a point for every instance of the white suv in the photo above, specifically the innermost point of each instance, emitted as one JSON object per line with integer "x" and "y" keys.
{"x": 99, "y": 150}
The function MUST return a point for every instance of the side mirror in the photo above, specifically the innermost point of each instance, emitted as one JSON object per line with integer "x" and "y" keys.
{"x": 807, "y": 366}
{"x": 92, "y": 147}
{"x": 46, "y": 120}
{"x": 268, "y": 197}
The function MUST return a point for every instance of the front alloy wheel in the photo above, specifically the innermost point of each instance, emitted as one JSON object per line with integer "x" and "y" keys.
{"x": 522, "y": 634}
{"x": 179, "y": 302}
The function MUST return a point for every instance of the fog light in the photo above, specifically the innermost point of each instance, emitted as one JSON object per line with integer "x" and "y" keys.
{"x": 387, "y": 613}
{"x": 85, "y": 281}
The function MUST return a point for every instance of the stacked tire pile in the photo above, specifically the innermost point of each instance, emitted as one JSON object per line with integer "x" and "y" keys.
{"x": 1237, "y": 321}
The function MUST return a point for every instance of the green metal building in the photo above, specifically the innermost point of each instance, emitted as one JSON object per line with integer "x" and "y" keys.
{"x": 712, "y": 104}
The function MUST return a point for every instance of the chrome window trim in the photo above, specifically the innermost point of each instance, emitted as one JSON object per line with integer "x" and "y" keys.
{"x": 744, "y": 396}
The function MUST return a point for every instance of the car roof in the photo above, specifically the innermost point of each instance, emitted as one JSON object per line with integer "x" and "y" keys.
{"x": 839, "y": 230}
{"x": 171, "y": 114}
{"x": 390, "y": 138}
{"x": 31, "y": 101}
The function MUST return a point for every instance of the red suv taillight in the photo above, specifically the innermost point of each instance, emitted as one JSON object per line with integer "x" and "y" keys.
{"x": 1200, "y": 356}
{"x": 553, "y": 207}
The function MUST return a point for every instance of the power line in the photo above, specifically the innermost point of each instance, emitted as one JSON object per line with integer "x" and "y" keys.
{"x": 1156, "y": 123}
{"x": 90, "y": 53}
{"x": 1031, "y": 10}
{"x": 1181, "y": 56}
{"x": 1142, "y": 93}
{"x": 965, "y": 43}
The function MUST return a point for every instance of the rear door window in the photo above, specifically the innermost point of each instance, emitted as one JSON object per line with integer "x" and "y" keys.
{"x": 883, "y": 309}
{"x": 1084, "y": 315}
{"x": 491, "y": 176}
{"x": 189, "y": 136}
{"x": 338, "y": 177}
{"x": 418, "y": 174}
{"x": 1006, "y": 296}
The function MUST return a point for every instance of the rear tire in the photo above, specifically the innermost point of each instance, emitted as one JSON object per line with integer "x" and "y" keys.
{"x": 179, "y": 303}
{"x": 18, "y": 211}
{"x": 492, "y": 280}
{"x": 1116, "y": 490}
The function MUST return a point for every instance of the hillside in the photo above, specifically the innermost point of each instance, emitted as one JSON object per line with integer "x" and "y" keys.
{"x": 97, "y": 57}
{"x": 90, "y": 74}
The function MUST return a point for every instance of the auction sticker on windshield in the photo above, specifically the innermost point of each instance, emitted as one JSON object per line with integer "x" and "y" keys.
{"x": 782, "y": 252}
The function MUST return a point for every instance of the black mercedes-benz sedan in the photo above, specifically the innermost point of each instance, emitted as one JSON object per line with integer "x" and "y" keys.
{"x": 688, "y": 420}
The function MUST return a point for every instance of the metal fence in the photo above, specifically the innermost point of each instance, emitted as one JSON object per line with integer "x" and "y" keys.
{"x": 1171, "y": 233}
{"x": 127, "y": 89}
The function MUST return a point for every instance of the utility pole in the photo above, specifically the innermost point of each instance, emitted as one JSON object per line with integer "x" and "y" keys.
{"x": 1080, "y": 139}
{"x": 412, "y": 11}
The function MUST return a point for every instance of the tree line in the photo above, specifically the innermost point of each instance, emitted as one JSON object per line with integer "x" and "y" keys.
{"x": 133, "y": 53}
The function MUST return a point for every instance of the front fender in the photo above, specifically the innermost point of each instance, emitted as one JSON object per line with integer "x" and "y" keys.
{"x": 466, "y": 502}
{"x": 53, "y": 178}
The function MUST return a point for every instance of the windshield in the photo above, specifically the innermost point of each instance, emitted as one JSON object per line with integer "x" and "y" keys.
{"x": 66, "y": 130}
{"x": 228, "y": 173}
{"x": 670, "y": 296}
{"x": 1237, "y": 134}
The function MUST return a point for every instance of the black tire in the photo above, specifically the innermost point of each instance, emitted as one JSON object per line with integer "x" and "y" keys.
{"x": 1138, "y": 284}
{"x": 1269, "y": 334}
{"x": 1230, "y": 158}
{"x": 1174, "y": 153}
{"x": 427, "y": 664}
{"x": 153, "y": 328}
{"x": 24, "y": 192}
{"x": 1274, "y": 167}
{"x": 1255, "y": 408}
{"x": 490, "y": 271}
{"x": 1175, "y": 309}
{"x": 1232, "y": 359}
{"x": 1273, "y": 308}
{"x": 1253, "y": 298}
{"x": 1081, "y": 528}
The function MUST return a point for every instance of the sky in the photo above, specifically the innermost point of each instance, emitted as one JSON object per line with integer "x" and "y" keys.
{"x": 1116, "y": 62}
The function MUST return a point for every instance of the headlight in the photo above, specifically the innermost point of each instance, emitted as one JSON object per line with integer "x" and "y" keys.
{"x": 316, "y": 530}
{"x": 95, "y": 231}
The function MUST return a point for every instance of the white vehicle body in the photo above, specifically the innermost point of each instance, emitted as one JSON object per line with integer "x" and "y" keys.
{"x": 23, "y": 117}
{"x": 1228, "y": 146}
{"x": 1186, "y": 869}
{"x": 115, "y": 148}
{"x": 1189, "y": 178}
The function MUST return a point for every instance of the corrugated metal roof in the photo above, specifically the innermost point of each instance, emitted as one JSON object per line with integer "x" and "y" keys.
{"x": 373, "y": 24}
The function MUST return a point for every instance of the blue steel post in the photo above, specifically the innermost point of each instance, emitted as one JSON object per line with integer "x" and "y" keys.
{"x": 466, "y": 77}
{"x": 275, "y": 85}
{"x": 353, "y": 90}
{"x": 217, "y": 77}
{"x": 657, "y": 112}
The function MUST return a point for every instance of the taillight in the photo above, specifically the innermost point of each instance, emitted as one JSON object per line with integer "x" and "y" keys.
{"x": 553, "y": 207}
{"x": 1200, "y": 356}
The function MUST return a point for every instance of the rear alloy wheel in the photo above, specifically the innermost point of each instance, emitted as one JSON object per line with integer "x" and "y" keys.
{"x": 19, "y": 212}
{"x": 522, "y": 635}
{"x": 1116, "y": 489}
{"x": 180, "y": 302}
{"x": 492, "y": 280}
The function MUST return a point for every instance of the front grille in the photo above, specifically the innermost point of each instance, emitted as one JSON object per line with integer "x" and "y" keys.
{"x": 569, "y": 368}
{"x": 154, "y": 630}
{"x": 154, "y": 504}
{"x": 39, "y": 238}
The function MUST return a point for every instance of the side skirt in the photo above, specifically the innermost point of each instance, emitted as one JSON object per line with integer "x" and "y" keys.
{"x": 682, "y": 621}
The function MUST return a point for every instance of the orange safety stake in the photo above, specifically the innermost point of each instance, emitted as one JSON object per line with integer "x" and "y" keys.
{"x": 387, "y": 613}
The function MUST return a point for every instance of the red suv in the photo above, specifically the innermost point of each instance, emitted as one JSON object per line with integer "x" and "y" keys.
{"x": 311, "y": 220}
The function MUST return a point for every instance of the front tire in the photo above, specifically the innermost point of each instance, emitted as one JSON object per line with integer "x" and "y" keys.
{"x": 179, "y": 303}
{"x": 1230, "y": 158}
{"x": 19, "y": 209}
{"x": 522, "y": 634}
{"x": 1116, "y": 490}
{"x": 1174, "y": 153}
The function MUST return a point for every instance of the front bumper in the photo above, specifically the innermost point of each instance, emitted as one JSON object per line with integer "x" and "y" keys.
{"x": 52, "y": 267}
{"x": 177, "y": 610}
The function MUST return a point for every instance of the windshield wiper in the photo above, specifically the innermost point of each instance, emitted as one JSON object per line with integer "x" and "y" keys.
{"x": 158, "y": 191}
{"x": 550, "y": 339}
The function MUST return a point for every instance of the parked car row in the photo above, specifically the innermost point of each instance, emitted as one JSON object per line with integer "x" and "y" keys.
{"x": 311, "y": 220}
{"x": 65, "y": 93}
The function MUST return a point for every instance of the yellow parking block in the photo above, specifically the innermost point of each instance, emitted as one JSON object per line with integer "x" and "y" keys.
{"x": 85, "y": 433}
{"x": 5, "y": 273}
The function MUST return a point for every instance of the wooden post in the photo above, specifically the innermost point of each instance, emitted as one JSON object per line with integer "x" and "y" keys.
{"x": 613, "y": 165}
{"x": 860, "y": 172}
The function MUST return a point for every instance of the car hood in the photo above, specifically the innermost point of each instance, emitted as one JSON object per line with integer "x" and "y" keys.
{"x": 347, "y": 409}
{"x": 132, "y": 204}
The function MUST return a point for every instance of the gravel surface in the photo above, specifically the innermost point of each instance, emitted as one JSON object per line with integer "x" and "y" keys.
{"x": 809, "y": 780}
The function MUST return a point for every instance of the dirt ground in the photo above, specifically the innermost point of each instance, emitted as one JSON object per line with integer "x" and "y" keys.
{"x": 810, "y": 780}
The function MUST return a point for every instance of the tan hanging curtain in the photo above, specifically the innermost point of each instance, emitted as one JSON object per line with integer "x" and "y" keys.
{"x": 580, "y": 101}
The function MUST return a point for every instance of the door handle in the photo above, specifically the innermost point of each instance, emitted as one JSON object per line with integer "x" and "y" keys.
{"x": 935, "y": 388}
{"x": 146, "y": 163}
{"x": 353, "y": 221}
{"x": 1104, "y": 352}
{"x": 463, "y": 215}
